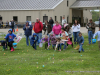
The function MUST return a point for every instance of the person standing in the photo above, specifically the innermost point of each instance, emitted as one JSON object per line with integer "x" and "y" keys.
{"x": 57, "y": 29}
{"x": 99, "y": 22}
{"x": 47, "y": 28}
{"x": 7, "y": 24}
{"x": 63, "y": 22}
{"x": 28, "y": 32}
{"x": 0, "y": 23}
{"x": 51, "y": 22}
{"x": 76, "y": 29}
{"x": 91, "y": 30}
{"x": 38, "y": 28}
{"x": 12, "y": 25}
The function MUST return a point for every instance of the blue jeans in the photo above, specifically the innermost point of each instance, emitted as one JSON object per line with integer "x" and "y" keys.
{"x": 34, "y": 45}
{"x": 28, "y": 37}
{"x": 13, "y": 29}
{"x": 90, "y": 36}
{"x": 52, "y": 25}
{"x": 40, "y": 36}
{"x": 53, "y": 45}
{"x": 81, "y": 47}
{"x": 59, "y": 46}
{"x": 65, "y": 45}
{"x": 75, "y": 34}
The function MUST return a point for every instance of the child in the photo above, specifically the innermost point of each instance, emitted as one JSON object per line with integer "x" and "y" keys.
{"x": 10, "y": 36}
{"x": 98, "y": 34}
{"x": 34, "y": 40}
{"x": 53, "y": 40}
{"x": 80, "y": 41}
{"x": 46, "y": 40}
{"x": 64, "y": 36}
{"x": 4, "y": 44}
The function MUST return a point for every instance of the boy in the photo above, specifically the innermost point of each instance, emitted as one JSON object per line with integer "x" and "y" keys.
{"x": 10, "y": 36}
{"x": 80, "y": 41}
{"x": 34, "y": 40}
{"x": 4, "y": 44}
{"x": 98, "y": 34}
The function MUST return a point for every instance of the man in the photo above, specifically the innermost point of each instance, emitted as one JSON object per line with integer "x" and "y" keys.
{"x": 51, "y": 22}
{"x": 0, "y": 23}
{"x": 91, "y": 30}
{"x": 63, "y": 22}
{"x": 28, "y": 32}
{"x": 99, "y": 22}
{"x": 38, "y": 28}
{"x": 12, "y": 25}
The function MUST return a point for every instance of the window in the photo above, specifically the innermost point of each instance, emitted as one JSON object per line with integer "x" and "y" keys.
{"x": 0, "y": 18}
{"x": 67, "y": 3}
{"x": 55, "y": 18}
{"x": 15, "y": 18}
{"x": 60, "y": 18}
{"x": 28, "y": 18}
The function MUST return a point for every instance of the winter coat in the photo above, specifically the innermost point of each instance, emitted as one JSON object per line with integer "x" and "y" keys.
{"x": 48, "y": 28}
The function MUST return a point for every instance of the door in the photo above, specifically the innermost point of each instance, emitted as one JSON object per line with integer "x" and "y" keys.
{"x": 15, "y": 18}
{"x": 45, "y": 18}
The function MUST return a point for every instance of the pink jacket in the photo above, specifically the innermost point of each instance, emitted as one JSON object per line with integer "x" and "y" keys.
{"x": 57, "y": 29}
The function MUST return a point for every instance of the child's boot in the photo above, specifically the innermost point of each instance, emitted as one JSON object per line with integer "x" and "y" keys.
{"x": 12, "y": 49}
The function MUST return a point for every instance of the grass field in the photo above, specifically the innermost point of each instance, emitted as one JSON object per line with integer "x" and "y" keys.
{"x": 27, "y": 61}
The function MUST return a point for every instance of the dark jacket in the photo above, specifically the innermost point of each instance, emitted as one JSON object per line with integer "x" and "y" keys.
{"x": 12, "y": 23}
{"x": 33, "y": 39}
{"x": 99, "y": 22}
{"x": 92, "y": 28}
{"x": 28, "y": 31}
{"x": 3, "y": 42}
{"x": 51, "y": 21}
{"x": 80, "y": 39}
{"x": 48, "y": 28}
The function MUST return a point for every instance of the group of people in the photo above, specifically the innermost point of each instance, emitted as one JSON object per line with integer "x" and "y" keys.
{"x": 56, "y": 35}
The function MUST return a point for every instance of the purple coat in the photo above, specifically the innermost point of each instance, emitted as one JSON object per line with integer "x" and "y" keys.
{"x": 53, "y": 39}
{"x": 45, "y": 40}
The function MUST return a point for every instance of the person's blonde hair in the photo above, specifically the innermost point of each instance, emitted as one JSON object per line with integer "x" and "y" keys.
{"x": 57, "y": 22}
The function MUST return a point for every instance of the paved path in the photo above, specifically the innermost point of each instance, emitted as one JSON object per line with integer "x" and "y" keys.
{"x": 20, "y": 30}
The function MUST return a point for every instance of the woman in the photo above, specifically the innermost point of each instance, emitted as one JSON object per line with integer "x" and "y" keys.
{"x": 69, "y": 31}
{"x": 47, "y": 28}
{"x": 57, "y": 29}
{"x": 76, "y": 30}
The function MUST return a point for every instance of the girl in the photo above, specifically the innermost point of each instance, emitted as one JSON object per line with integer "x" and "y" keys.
{"x": 76, "y": 29}
{"x": 57, "y": 29}
{"x": 10, "y": 36}
{"x": 53, "y": 40}
{"x": 47, "y": 28}
{"x": 69, "y": 31}
{"x": 64, "y": 36}
{"x": 46, "y": 40}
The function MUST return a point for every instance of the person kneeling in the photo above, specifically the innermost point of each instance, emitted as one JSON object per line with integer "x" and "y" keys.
{"x": 34, "y": 40}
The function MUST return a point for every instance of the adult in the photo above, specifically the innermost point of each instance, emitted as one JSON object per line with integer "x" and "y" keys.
{"x": 47, "y": 28}
{"x": 7, "y": 24}
{"x": 91, "y": 30}
{"x": 76, "y": 29}
{"x": 51, "y": 22}
{"x": 99, "y": 22}
{"x": 38, "y": 28}
{"x": 57, "y": 29}
{"x": 63, "y": 22}
{"x": 0, "y": 23}
{"x": 12, "y": 25}
{"x": 28, "y": 32}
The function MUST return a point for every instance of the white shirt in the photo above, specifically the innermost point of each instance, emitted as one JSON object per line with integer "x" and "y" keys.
{"x": 10, "y": 23}
{"x": 76, "y": 28}
{"x": 64, "y": 21}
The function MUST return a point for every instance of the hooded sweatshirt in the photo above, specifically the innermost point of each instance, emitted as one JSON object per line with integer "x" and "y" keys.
{"x": 76, "y": 28}
{"x": 57, "y": 29}
{"x": 53, "y": 40}
{"x": 34, "y": 39}
{"x": 38, "y": 27}
{"x": 97, "y": 34}
{"x": 28, "y": 31}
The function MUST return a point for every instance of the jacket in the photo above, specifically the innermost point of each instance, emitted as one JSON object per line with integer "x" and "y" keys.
{"x": 76, "y": 28}
{"x": 97, "y": 34}
{"x": 51, "y": 21}
{"x": 10, "y": 37}
{"x": 28, "y": 31}
{"x": 38, "y": 27}
{"x": 92, "y": 28}
{"x": 64, "y": 21}
{"x": 49, "y": 28}
{"x": 3, "y": 42}
{"x": 70, "y": 33}
{"x": 12, "y": 23}
{"x": 53, "y": 40}
{"x": 45, "y": 40}
{"x": 99, "y": 22}
{"x": 80, "y": 39}
{"x": 34, "y": 39}
{"x": 57, "y": 29}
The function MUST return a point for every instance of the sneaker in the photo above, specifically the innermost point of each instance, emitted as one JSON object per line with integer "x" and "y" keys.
{"x": 59, "y": 50}
{"x": 79, "y": 51}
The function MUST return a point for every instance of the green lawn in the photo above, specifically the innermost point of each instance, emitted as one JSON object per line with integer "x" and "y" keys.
{"x": 26, "y": 61}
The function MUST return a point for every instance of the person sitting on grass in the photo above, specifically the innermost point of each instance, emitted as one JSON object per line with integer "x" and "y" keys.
{"x": 4, "y": 44}
{"x": 97, "y": 34}
{"x": 52, "y": 39}
{"x": 34, "y": 40}
{"x": 11, "y": 38}
{"x": 81, "y": 42}
{"x": 46, "y": 40}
